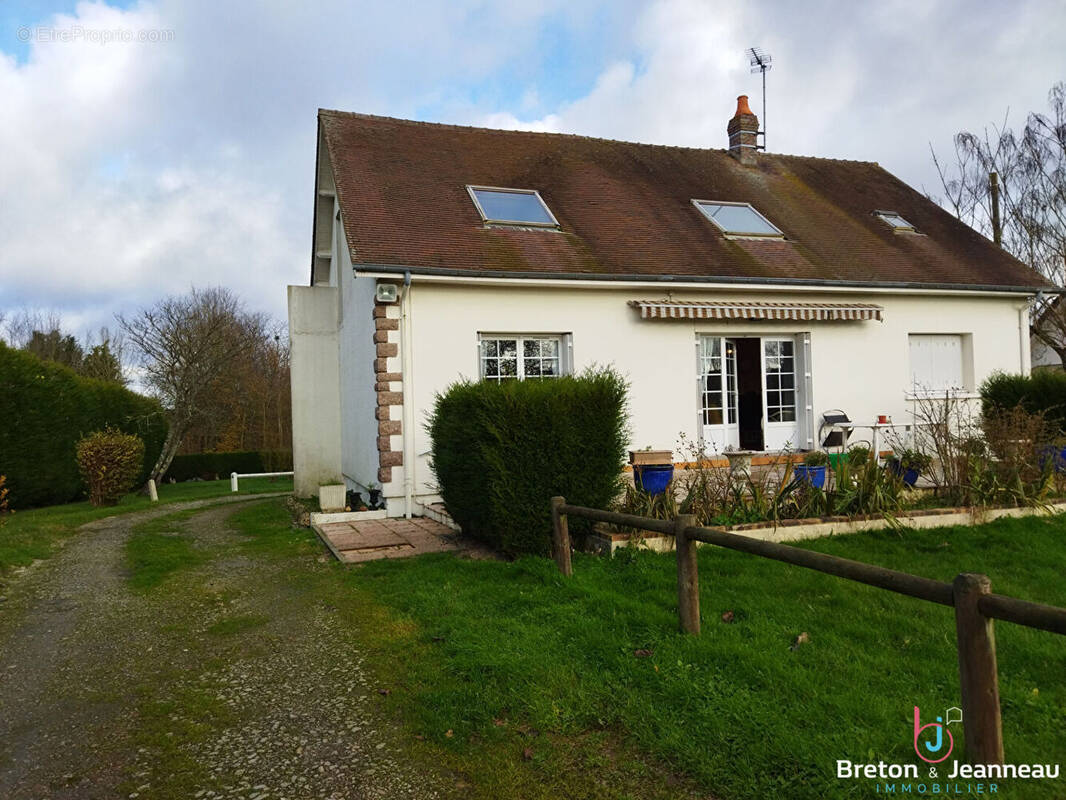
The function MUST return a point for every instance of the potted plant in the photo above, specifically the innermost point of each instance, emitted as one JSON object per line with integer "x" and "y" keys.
{"x": 909, "y": 464}
{"x": 813, "y": 469}
{"x": 652, "y": 469}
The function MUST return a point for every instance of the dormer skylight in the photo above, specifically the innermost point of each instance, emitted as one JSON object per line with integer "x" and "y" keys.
{"x": 512, "y": 206}
{"x": 738, "y": 219}
{"x": 895, "y": 221}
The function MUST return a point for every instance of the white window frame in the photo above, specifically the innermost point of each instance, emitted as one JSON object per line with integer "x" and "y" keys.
{"x": 966, "y": 371}
{"x": 563, "y": 340}
{"x": 780, "y": 406}
{"x": 739, "y": 234}
{"x": 883, "y": 216}
{"x": 473, "y": 190}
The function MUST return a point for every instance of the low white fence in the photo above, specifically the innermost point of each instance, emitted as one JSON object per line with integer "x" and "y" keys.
{"x": 233, "y": 476}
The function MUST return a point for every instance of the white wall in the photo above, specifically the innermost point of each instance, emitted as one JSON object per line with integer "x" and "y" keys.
{"x": 359, "y": 428}
{"x": 316, "y": 416}
{"x": 861, "y": 367}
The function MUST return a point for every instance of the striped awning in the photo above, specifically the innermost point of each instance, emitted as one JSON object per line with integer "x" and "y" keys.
{"x": 735, "y": 309}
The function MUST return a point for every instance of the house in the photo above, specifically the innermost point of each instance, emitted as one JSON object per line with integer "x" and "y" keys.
{"x": 744, "y": 293}
{"x": 1051, "y": 316}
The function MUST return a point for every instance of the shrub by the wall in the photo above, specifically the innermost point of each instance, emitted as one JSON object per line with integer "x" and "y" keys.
{"x": 214, "y": 466}
{"x": 3, "y": 500}
{"x": 46, "y": 408}
{"x": 1043, "y": 392}
{"x": 110, "y": 462}
{"x": 501, "y": 451}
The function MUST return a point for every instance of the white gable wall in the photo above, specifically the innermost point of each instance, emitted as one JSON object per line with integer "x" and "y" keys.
{"x": 860, "y": 367}
{"x": 359, "y": 463}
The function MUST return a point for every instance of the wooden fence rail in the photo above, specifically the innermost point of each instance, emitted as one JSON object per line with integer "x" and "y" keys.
{"x": 969, "y": 594}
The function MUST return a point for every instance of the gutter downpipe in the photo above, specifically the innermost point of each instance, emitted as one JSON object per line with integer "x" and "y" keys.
{"x": 406, "y": 380}
{"x": 1024, "y": 356}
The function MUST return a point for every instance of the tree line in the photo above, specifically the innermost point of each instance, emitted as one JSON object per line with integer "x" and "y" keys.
{"x": 220, "y": 370}
{"x": 1011, "y": 186}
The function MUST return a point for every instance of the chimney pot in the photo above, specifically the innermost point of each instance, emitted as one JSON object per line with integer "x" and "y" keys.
{"x": 743, "y": 132}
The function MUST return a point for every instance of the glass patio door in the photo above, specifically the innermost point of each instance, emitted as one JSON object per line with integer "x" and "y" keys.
{"x": 718, "y": 393}
{"x": 782, "y": 426}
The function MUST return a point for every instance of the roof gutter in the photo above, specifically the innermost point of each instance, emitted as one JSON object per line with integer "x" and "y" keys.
{"x": 807, "y": 283}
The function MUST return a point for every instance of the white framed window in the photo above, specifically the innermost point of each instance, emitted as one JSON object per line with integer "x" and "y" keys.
{"x": 523, "y": 357}
{"x": 780, "y": 368}
{"x": 895, "y": 221}
{"x": 940, "y": 362}
{"x": 738, "y": 219}
{"x": 512, "y": 206}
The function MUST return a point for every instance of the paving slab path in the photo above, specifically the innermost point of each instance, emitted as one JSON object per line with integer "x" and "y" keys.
{"x": 224, "y": 682}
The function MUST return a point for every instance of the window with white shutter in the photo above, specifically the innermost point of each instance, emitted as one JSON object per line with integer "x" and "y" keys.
{"x": 937, "y": 363}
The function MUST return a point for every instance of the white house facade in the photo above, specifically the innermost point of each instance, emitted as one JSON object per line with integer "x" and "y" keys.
{"x": 741, "y": 348}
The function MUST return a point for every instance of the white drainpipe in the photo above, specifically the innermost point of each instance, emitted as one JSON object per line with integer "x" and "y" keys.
{"x": 1024, "y": 360}
{"x": 407, "y": 381}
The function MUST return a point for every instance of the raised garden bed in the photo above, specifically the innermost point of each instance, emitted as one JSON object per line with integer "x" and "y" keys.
{"x": 605, "y": 541}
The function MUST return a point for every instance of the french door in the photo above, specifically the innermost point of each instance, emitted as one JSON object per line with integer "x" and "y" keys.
{"x": 718, "y": 393}
{"x": 780, "y": 374}
{"x": 781, "y": 394}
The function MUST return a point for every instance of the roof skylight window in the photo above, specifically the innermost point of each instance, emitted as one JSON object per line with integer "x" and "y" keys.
{"x": 738, "y": 219}
{"x": 895, "y": 221}
{"x": 512, "y": 206}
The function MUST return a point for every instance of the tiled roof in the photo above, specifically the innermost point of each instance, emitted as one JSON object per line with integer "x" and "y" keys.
{"x": 626, "y": 209}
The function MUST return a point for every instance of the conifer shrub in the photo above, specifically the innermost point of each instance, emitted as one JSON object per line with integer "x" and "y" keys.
{"x": 46, "y": 409}
{"x": 501, "y": 451}
{"x": 1043, "y": 392}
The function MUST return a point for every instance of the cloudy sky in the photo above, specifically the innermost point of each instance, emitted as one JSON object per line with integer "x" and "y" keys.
{"x": 149, "y": 146}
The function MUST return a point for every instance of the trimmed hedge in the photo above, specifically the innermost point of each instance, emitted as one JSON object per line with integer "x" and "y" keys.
{"x": 501, "y": 451}
{"x": 45, "y": 409}
{"x": 1042, "y": 392}
{"x": 212, "y": 466}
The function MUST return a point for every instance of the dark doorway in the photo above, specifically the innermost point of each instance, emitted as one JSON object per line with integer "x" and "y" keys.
{"x": 749, "y": 393}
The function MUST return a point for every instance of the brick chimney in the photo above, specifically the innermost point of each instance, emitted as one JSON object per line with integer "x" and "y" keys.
{"x": 743, "y": 132}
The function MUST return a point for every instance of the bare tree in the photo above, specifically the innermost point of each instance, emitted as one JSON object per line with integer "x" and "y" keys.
{"x": 183, "y": 344}
{"x": 1031, "y": 171}
{"x": 19, "y": 327}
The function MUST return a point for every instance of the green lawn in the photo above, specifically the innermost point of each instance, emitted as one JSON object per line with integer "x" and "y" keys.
{"x": 486, "y": 658}
{"x": 35, "y": 533}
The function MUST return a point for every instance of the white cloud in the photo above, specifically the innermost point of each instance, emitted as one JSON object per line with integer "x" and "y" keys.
{"x": 869, "y": 81}
{"x": 134, "y": 169}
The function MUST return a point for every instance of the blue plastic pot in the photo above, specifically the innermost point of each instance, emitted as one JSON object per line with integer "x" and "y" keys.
{"x": 1052, "y": 456}
{"x": 653, "y": 478}
{"x": 814, "y": 476}
{"x": 909, "y": 476}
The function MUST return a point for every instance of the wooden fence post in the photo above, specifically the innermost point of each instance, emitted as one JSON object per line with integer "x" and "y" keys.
{"x": 688, "y": 579}
{"x": 977, "y": 671}
{"x": 561, "y": 538}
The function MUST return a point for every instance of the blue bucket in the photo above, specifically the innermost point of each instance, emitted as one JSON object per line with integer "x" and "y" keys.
{"x": 814, "y": 476}
{"x": 653, "y": 478}
{"x": 909, "y": 476}
{"x": 1054, "y": 458}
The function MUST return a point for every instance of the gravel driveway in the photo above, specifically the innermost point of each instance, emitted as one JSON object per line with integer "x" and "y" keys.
{"x": 226, "y": 682}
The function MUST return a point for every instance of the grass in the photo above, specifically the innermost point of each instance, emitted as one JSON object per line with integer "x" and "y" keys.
{"x": 156, "y": 549}
{"x": 480, "y": 654}
{"x": 33, "y": 534}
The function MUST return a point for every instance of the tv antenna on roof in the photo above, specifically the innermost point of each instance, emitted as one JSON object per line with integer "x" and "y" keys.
{"x": 760, "y": 61}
